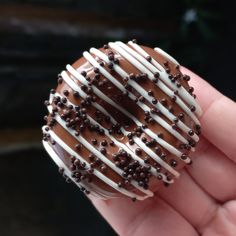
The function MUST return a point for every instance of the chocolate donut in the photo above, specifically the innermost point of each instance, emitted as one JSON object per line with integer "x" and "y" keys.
{"x": 122, "y": 121}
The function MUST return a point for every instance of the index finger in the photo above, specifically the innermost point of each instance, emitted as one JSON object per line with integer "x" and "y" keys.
{"x": 219, "y": 115}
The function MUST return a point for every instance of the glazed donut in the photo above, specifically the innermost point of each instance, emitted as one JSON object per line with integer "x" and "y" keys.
{"x": 122, "y": 121}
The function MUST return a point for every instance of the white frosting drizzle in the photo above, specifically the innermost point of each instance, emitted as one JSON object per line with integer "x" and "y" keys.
{"x": 131, "y": 57}
{"x": 144, "y": 107}
{"x": 96, "y": 172}
{"x": 166, "y": 55}
{"x": 67, "y": 172}
{"x": 97, "y": 153}
{"x": 94, "y": 189}
{"x": 162, "y": 142}
{"x": 159, "y": 106}
{"x": 126, "y": 148}
{"x": 166, "y": 145}
{"x": 164, "y": 76}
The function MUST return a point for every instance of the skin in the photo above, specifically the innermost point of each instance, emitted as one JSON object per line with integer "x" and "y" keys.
{"x": 203, "y": 200}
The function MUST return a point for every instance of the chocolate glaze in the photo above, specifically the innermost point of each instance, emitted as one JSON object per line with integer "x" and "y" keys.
{"x": 76, "y": 119}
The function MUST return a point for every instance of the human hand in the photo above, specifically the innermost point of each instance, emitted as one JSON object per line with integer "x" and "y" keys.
{"x": 203, "y": 199}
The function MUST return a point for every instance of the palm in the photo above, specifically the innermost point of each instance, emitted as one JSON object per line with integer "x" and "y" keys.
{"x": 203, "y": 200}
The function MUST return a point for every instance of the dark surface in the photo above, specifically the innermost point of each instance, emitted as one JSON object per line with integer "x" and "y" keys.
{"x": 37, "y": 39}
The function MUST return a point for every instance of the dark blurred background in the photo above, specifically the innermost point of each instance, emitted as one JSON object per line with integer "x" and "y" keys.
{"x": 37, "y": 39}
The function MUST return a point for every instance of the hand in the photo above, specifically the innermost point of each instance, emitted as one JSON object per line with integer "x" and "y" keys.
{"x": 203, "y": 200}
